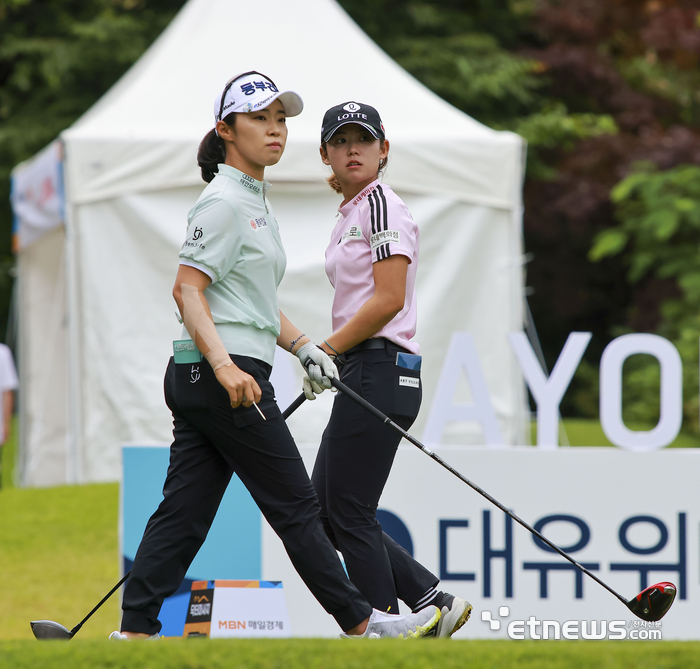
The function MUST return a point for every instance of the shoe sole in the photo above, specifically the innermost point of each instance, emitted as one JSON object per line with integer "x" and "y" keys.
{"x": 451, "y": 621}
{"x": 428, "y": 628}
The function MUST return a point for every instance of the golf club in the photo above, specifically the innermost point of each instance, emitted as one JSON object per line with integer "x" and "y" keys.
{"x": 651, "y": 604}
{"x": 48, "y": 629}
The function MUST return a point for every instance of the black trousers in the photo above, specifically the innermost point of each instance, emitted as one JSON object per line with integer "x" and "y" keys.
{"x": 211, "y": 442}
{"x": 352, "y": 466}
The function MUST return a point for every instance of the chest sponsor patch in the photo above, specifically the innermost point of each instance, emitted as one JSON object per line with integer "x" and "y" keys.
{"x": 355, "y": 232}
{"x": 385, "y": 237}
{"x": 258, "y": 223}
{"x": 409, "y": 381}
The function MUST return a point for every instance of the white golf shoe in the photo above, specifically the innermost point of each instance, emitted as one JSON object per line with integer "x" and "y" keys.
{"x": 118, "y": 636}
{"x": 411, "y": 626}
{"x": 453, "y": 617}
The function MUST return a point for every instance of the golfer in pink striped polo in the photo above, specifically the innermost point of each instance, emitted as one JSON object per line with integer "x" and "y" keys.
{"x": 371, "y": 261}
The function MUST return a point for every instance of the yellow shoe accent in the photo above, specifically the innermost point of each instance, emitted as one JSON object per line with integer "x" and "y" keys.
{"x": 421, "y": 631}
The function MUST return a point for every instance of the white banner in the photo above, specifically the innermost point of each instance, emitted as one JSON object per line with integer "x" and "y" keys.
{"x": 631, "y": 518}
{"x": 38, "y": 199}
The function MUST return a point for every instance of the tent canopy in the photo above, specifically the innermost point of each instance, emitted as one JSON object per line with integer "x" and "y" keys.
{"x": 143, "y": 129}
{"x": 131, "y": 176}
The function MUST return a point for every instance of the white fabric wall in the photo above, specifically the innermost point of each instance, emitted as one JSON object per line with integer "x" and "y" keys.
{"x": 42, "y": 361}
{"x": 131, "y": 177}
{"x": 130, "y": 245}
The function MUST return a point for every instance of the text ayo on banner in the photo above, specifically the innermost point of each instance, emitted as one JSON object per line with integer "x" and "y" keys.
{"x": 462, "y": 360}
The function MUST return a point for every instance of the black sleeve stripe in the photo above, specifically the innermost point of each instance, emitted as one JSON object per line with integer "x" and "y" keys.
{"x": 384, "y": 208}
{"x": 388, "y": 250}
{"x": 375, "y": 212}
{"x": 374, "y": 198}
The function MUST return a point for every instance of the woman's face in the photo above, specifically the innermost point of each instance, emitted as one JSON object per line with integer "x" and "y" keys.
{"x": 354, "y": 154}
{"x": 256, "y": 140}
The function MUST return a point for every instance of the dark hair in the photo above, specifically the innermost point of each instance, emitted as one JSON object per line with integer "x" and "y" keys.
{"x": 212, "y": 151}
{"x": 332, "y": 180}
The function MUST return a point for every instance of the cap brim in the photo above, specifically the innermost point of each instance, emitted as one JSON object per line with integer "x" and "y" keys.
{"x": 332, "y": 132}
{"x": 292, "y": 103}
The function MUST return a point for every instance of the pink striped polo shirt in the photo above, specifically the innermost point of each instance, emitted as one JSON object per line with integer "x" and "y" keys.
{"x": 373, "y": 226}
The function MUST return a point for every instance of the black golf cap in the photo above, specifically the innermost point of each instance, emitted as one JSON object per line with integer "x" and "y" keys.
{"x": 351, "y": 112}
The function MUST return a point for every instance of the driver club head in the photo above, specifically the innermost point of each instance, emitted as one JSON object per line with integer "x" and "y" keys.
{"x": 48, "y": 629}
{"x": 653, "y": 602}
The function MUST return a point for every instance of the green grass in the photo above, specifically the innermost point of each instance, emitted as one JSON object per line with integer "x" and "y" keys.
{"x": 332, "y": 654}
{"x": 588, "y": 432}
{"x": 59, "y": 556}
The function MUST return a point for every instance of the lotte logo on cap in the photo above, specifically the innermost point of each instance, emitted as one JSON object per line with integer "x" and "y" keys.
{"x": 352, "y": 107}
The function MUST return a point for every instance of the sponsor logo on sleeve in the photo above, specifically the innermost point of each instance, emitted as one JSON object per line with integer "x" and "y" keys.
{"x": 385, "y": 237}
{"x": 194, "y": 242}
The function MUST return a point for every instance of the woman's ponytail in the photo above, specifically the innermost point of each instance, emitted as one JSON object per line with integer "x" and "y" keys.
{"x": 210, "y": 153}
{"x": 333, "y": 182}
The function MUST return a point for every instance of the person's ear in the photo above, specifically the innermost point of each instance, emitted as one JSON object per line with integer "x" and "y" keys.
{"x": 225, "y": 130}
{"x": 324, "y": 155}
{"x": 384, "y": 149}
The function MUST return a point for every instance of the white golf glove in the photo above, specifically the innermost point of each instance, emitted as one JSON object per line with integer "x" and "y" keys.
{"x": 310, "y": 388}
{"x": 319, "y": 368}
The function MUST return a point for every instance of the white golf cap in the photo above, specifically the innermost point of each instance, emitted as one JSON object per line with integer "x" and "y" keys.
{"x": 251, "y": 91}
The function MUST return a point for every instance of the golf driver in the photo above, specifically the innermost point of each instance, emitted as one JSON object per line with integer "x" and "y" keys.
{"x": 651, "y": 604}
{"x": 48, "y": 629}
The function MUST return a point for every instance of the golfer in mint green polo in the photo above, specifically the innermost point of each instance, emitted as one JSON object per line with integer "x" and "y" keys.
{"x": 234, "y": 239}
{"x": 225, "y": 418}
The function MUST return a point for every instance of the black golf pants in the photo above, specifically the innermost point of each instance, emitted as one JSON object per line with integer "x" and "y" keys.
{"x": 353, "y": 463}
{"x": 211, "y": 442}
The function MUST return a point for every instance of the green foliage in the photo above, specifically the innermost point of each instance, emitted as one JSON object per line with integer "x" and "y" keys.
{"x": 668, "y": 81}
{"x": 553, "y": 128}
{"x": 659, "y": 223}
{"x": 459, "y": 51}
{"x": 472, "y": 72}
{"x": 56, "y": 59}
{"x": 658, "y": 231}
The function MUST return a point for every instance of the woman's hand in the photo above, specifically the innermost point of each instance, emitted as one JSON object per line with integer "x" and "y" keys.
{"x": 242, "y": 388}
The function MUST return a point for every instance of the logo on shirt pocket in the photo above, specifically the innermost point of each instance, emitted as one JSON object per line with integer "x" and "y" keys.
{"x": 258, "y": 223}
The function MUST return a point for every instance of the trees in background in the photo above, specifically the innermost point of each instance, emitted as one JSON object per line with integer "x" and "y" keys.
{"x": 598, "y": 88}
{"x": 606, "y": 92}
{"x": 57, "y": 57}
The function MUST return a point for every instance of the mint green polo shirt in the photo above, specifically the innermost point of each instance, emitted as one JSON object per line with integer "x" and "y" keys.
{"x": 233, "y": 237}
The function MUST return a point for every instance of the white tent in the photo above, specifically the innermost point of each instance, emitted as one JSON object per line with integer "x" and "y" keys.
{"x": 96, "y": 312}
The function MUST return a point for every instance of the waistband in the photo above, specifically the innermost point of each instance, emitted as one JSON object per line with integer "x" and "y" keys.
{"x": 375, "y": 344}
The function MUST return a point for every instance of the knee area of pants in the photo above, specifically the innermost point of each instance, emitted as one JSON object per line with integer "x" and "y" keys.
{"x": 300, "y": 514}
{"x": 344, "y": 527}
